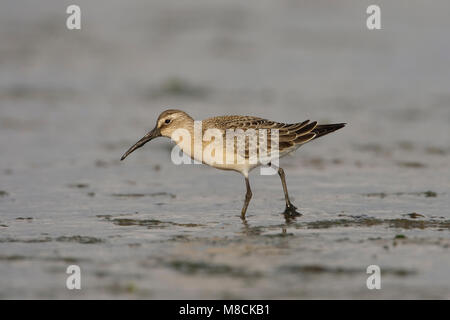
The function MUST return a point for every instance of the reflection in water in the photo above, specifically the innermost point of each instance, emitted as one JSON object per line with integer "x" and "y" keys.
{"x": 248, "y": 230}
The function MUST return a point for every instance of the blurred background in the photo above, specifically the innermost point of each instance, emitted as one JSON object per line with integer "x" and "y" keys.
{"x": 376, "y": 192}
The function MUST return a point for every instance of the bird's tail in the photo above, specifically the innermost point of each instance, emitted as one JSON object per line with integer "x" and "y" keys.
{"x": 323, "y": 129}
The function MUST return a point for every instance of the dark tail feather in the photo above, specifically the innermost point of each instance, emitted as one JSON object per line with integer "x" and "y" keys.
{"x": 323, "y": 129}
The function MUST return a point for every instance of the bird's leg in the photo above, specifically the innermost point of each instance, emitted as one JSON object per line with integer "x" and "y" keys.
{"x": 290, "y": 208}
{"x": 248, "y": 196}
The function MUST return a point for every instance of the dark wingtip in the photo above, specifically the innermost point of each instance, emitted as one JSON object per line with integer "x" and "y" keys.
{"x": 337, "y": 126}
{"x": 324, "y": 129}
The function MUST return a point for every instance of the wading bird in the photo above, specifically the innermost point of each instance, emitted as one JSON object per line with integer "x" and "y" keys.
{"x": 290, "y": 138}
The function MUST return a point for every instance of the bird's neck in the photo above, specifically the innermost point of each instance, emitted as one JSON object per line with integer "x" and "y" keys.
{"x": 190, "y": 138}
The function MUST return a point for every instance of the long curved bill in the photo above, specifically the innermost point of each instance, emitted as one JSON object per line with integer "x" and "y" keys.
{"x": 149, "y": 136}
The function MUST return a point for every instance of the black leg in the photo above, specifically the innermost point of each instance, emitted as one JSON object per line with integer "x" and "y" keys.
{"x": 290, "y": 208}
{"x": 248, "y": 196}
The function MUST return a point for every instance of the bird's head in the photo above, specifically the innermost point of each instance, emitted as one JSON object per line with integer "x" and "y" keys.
{"x": 168, "y": 121}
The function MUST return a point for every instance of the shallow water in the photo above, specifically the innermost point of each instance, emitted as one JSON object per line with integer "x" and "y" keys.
{"x": 375, "y": 192}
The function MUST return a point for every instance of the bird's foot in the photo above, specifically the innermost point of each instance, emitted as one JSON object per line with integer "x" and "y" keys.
{"x": 291, "y": 211}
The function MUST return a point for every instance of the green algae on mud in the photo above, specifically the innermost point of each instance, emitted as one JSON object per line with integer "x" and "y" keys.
{"x": 414, "y": 215}
{"x": 370, "y": 222}
{"x": 140, "y": 195}
{"x": 78, "y": 185}
{"x": 31, "y": 240}
{"x": 76, "y": 238}
{"x": 316, "y": 269}
{"x": 427, "y": 194}
{"x": 149, "y": 223}
{"x": 14, "y": 258}
{"x": 29, "y": 219}
{"x": 176, "y": 86}
{"x": 411, "y": 164}
{"x": 79, "y": 239}
{"x": 194, "y": 267}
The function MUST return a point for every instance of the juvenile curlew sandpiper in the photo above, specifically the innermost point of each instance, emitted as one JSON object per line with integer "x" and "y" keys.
{"x": 289, "y": 138}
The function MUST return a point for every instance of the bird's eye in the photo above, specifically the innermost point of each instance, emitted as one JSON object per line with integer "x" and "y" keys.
{"x": 167, "y": 121}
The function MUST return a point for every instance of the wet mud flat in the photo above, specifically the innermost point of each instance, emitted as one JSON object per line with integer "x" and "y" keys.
{"x": 374, "y": 193}
{"x": 191, "y": 243}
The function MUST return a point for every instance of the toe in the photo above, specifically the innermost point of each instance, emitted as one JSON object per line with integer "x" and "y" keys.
{"x": 291, "y": 211}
